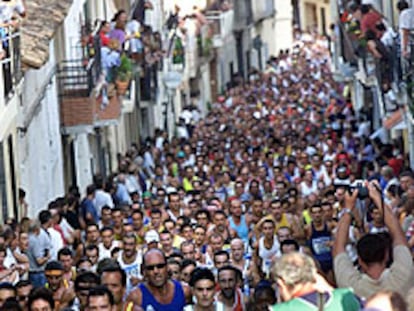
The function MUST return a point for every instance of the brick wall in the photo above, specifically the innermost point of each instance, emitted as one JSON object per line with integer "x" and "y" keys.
{"x": 111, "y": 112}
{"x": 76, "y": 111}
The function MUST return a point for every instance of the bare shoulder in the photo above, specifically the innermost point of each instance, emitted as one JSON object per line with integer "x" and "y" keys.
{"x": 135, "y": 297}
{"x": 187, "y": 292}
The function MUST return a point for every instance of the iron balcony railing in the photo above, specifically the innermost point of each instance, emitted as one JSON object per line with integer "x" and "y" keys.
{"x": 11, "y": 61}
{"x": 78, "y": 78}
{"x": 407, "y": 70}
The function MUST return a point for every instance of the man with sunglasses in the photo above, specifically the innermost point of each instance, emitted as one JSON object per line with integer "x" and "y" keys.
{"x": 158, "y": 291}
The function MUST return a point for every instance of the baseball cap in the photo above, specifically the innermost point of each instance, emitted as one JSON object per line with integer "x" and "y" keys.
{"x": 152, "y": 237}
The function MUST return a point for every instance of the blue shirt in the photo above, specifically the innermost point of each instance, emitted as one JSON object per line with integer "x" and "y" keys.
{"x": 87, "y": 207}
{"x": 177, "y": 304}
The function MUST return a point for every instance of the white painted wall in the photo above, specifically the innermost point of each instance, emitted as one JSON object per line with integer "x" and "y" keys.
{"x": 283, "y": 31}
{"x": 205, "y": 89}
{"x": 40, "y": 149}
{"x": 156, "y": 16}
{"x": 83, "y": 161}
{"x": 72, "y": 29}
{"x": 226, "y": 54}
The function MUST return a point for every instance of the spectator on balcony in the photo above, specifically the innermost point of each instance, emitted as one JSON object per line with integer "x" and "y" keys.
{"x": 383, "y": 55}
{"x": 110, "y": 58}
{"x": 8, "y": 10}
{"x": 406, "y": 25}
{"x": 136, "y": 46}
{"x": 118, "y": 28}
{"x": 370, "y": 18}
{"x": 375, "y": 46}
{"x": 104, "y": 30}
{"x": 386, "y": 35}
{"x": 8, "y": 17}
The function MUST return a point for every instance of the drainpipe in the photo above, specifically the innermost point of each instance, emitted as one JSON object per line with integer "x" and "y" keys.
{"x": 101, "y": 156}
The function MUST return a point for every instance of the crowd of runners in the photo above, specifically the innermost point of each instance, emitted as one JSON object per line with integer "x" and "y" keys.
{"x": 277, "y": 198}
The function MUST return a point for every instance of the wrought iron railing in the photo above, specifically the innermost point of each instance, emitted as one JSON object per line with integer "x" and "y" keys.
{"x": 77, "y": 78}
{"x": 11, "y": 62}
{"x": 407, "y": 69}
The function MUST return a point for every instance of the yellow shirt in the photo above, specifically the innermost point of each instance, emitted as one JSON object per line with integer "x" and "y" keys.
{"x": 284, "y": 222}
{"x": 177, "y": 240}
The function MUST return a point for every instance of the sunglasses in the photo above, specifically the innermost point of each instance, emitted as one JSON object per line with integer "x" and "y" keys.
{"x": 158, "y": 266}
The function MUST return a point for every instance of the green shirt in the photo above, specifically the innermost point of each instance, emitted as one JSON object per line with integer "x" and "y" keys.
{"x": 341, "y": 299}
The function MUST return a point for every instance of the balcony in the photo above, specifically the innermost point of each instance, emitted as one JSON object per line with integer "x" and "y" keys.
{"x": 407, "y": 68}
{"x": 382, "y": 70}
{"x": 221, "y": 25}
{"x": 80, "y": 91}
{"x": 11, "y": 63}
{"x": 262, "y": 9}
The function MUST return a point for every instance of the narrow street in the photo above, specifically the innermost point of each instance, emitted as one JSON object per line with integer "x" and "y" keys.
{"x": 206, "y": 155}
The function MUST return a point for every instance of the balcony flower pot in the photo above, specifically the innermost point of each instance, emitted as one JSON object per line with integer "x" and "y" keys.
{"x": 123, "y": 75}
{"x": 121, "y": 87}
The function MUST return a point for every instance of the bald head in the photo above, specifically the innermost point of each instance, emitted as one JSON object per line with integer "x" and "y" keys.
{"x": 236, "y": 242}
{"x": 237, "y": 250}
{"x": 153, "y": 253}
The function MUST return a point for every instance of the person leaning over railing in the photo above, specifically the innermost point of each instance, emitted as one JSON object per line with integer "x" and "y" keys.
{"x": 406, "y": 25}
{"x": 9, "y": 13}
{"x": 373, "y": 253}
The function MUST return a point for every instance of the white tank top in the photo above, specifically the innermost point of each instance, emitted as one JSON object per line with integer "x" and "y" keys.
{"x": 132, "y": 270}
{"x": 268, "y": 254}
{"x": 105, "y": 252}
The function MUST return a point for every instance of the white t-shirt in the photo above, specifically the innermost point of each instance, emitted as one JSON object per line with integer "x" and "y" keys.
{"x": 8, "y": 8}
{"x": 101, "y": 199}
{"x": 407, "y": 19}
{"x": 57, "y": 242}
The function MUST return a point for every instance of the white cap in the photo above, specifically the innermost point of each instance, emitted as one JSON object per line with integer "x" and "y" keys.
{"x": 152, "y": 236}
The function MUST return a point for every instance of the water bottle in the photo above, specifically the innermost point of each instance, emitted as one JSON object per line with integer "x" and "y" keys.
{"x": 267, "y": 264}
{"x": 149, "y": 308}
{"x": 246, "y": 287}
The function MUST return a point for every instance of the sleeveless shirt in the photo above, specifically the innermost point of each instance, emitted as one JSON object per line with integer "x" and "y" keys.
{"x": 149, "y": 303}
{"x": 241, "y": 229}
{"x": 319, "y": 244}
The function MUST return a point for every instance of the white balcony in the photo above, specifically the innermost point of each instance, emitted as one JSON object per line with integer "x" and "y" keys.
{"x": 221, "y": 24}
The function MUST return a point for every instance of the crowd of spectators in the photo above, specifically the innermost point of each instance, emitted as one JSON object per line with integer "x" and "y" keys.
{"x": 370, "y": 30}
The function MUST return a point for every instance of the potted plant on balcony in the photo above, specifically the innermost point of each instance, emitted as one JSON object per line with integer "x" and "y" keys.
{"x": 123, "y": 75}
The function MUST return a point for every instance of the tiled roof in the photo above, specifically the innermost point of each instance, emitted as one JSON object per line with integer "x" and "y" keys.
{"x": 38, "y": 27}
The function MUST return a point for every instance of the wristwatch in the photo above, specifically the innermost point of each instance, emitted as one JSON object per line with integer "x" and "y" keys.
{"x": 348, "y": 211}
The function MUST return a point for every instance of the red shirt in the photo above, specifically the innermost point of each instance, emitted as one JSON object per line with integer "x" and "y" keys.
{"x": 104, "y": 38}
{"x": 369, "y": 21}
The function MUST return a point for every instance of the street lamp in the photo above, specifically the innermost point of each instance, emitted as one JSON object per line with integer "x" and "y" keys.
{"x": 172, "y": 80}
